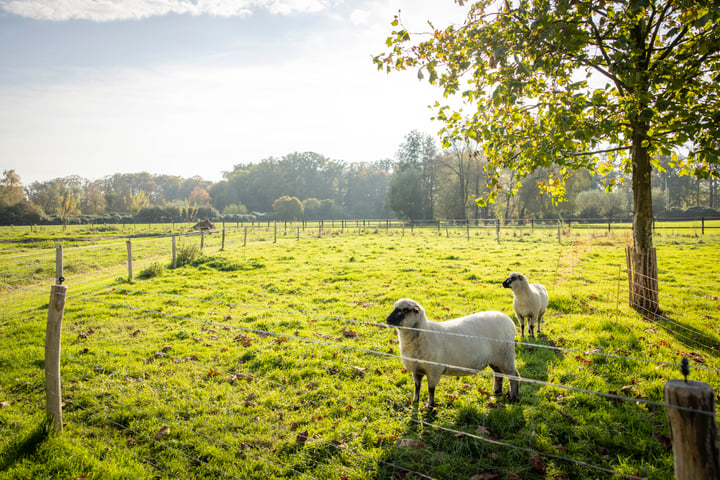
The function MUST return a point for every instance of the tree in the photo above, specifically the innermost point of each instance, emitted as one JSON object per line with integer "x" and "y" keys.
{"x": 405, "y": 194}
{"x": 288, "y": 208}
{"x": 11, "y": 189}
{"x": 199, "y": 197}
{"x": 650, "y": 87}
{"x": 419, "y": 152}
{"x": 67, "y": 206}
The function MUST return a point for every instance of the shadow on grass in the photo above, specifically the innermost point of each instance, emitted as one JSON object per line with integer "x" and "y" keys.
{"x": 687, "y": 335}
{"x": 25, "y": 446}
{"x": 460, "y": 439}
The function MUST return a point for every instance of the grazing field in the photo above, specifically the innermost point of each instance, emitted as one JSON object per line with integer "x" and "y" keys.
{"x": 270, "y": 358}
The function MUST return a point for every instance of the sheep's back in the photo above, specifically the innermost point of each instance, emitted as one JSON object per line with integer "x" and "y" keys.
{"x": 473, "y": 340}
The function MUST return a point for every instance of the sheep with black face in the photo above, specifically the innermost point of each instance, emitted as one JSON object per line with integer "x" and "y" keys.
{"x": 458, "y": 347}
{"x": 530, "y": 300}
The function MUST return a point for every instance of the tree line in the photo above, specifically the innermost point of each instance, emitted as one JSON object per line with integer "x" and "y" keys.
{"x": 421, "y": 182}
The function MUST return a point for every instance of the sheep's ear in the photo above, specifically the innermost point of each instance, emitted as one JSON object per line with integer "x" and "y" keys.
{"x": 416, "y": 309}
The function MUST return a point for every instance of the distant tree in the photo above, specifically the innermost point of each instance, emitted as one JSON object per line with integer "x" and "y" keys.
{"x": 199, "y": 197}
{"x": 288, "y": 208}
{"x": 136, "y": 201}
{"x": 11, "y": 188}
{"x": 419, "y": 152}
{"x": 405, "y": 193}
{"x": 94, "y": 201}
{"x": 327, "y": 208}
{"x": 311, "y": 208}
{"x": 67, "y": 206}
{"x": 235, "y": 209}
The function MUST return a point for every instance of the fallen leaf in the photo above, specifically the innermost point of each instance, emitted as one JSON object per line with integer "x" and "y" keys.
{"x": 482, "y": 431}
{"x": 486, "y": 475}
{"x": 301, "y": 437}
{"x": 537, "y": 464}
{"x": 409, "y": 443}
{"x": 4, "y": 404}
{"x": 162, "y": 432}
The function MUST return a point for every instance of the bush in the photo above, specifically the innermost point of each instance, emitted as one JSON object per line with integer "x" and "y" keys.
{"x": 187, "y": 255}
{"x": 154, "y": 270}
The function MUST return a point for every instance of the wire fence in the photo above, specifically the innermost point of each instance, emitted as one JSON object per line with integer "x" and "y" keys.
{"x": 107, "y": 264}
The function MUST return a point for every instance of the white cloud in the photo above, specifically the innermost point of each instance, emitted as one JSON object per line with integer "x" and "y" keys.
{"x": 111, "y": 10}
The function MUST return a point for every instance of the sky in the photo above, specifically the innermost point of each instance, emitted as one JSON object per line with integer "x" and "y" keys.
{"x": 195, "y": 87}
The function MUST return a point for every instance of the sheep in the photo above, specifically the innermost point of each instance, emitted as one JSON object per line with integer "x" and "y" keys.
{"x": 458, "y": 347}
{"x": 530, "y": 300}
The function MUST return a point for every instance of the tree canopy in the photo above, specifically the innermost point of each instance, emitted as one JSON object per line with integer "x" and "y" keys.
{"x": 555, "y": 84}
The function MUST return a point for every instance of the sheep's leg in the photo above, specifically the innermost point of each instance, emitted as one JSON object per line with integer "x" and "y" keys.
{"x": 431, "y": 392}
{"x": 531, "y": 326}
{"x": 522, "y": 325}
{"x": 514, "y": 384}
{"x": 498, "y": 380}
{"x": 542, "y": 314}
{"x": 433, "y": 378}
{"x": 417, "y": 377}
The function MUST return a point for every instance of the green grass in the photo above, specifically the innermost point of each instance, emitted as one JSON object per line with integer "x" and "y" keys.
{"x": 266, "y": 361}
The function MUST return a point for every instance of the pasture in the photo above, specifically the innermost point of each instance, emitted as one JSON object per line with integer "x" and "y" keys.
{"x": 270, "y": 358}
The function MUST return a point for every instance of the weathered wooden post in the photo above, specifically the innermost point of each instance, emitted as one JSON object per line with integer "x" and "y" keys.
{"x": 53, "y": 392}
{"x": 467, "y": 228}
{"x": 298, "y": 233}
{"x": 202, "y": 239}
{"x": 693, "y": 431}
{"x": 223, "y": 240}
{"x": 59, "y": 265}
{"x": 497, "y": 229}
{"x": 129, "y": 257}
{"x": 703, "y": 225}
{"x": 174, "y": 251}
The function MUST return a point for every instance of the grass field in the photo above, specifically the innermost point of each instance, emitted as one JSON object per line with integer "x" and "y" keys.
{"x": 268, "y": 359}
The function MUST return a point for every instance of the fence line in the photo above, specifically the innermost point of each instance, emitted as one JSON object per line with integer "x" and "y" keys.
{"x": 389, "y": 355}
{"x": 590, "y": 352}
{"x": 273, "y": 426}
{"x": 457, "y": 432}
{"x": 374, "y": 352}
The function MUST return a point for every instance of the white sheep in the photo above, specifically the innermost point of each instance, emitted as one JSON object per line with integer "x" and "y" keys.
{"x": 458, "y": 347}
{"x": 530, "y": 300}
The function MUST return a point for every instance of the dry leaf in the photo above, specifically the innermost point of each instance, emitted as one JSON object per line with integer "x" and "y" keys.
{"x": 409, "y": 443}
{"x": 162, "y": 432}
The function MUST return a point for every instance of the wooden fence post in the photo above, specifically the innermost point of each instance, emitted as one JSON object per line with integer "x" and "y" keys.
{"x": 693, "y": 431}
{"x": 223, "y": 240}
{"x": 59, "y": 265}
{"x": 53, "y": 393}
{"x": 174, "y": 251}
{"x": 202, "y": 239}
{"x": 497, "y": 229}
{"x": 129, "y": 256}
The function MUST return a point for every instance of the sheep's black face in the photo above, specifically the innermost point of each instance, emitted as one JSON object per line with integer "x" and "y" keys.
{"x": 509, "y": 281}
{"x": 399, "y": 315}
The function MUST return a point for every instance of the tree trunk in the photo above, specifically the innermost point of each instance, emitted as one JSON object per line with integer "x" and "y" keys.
{"x": 643, "y": 272}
